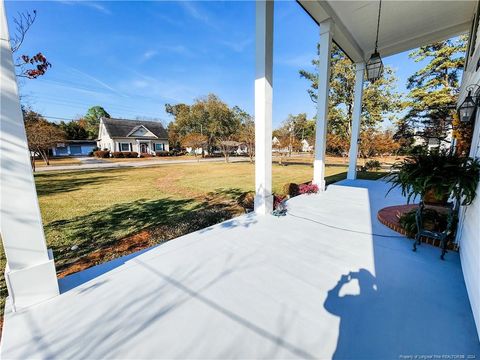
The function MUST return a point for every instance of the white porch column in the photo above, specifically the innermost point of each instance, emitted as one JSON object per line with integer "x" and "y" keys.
{"x": 356, "y": 118}
{"x": 30, "y": 273}
{"x": 263, "y": 107}
{"x": 326, "y": 34}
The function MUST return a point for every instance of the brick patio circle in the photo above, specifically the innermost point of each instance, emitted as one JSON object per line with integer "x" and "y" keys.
{"x": 390, "y": 217}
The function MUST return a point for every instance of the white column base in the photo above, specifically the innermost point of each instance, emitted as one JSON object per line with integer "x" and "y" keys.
{"x": 32, "y": 285}
{"x": 352, "y": 171}
{"x": 263, "y": 204}
{"x": 319, "y": 174}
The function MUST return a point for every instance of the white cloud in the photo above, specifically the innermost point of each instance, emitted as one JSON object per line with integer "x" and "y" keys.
{"x": 298, "y": 61}
{"x": 139, "y": 84}
{"x": 147, "y": 55}
{"x": 162, "y": 49}
{"x": 156, "y": 88}
{"x": 197, "y": 12}
{"x": 237, "y": 46}
{"x": 93, "y": 5}
{"x": 98, "y": 81}
{"x": 98, "y": 7}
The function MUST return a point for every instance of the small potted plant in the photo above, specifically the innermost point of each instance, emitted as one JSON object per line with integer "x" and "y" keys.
{"x": 436, "y": 176}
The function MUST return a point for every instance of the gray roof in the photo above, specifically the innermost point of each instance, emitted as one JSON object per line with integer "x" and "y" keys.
{"x": 122, "y": 127}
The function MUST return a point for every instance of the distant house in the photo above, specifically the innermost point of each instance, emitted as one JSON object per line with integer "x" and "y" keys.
{"x": 144, "y": 137}
{"x": 306, "y": 147}
{"x": 74, "y": 148}
{"x": 198, "y": 151}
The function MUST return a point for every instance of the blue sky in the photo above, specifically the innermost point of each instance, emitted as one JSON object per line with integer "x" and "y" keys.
{"x": 133, "y": 57}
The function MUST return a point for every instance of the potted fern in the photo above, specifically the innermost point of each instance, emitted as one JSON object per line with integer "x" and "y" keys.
{"x": 436, "y": 176}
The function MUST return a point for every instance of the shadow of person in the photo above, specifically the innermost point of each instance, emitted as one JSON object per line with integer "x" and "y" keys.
{"x": 360, "y": 334}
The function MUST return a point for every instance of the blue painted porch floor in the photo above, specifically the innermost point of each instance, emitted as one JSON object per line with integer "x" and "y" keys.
{"x": 325, "y": 281}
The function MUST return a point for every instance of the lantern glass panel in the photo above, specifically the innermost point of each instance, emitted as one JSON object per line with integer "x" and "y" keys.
{"x": 374, "y": 67}
{"x": 467, "y": 109}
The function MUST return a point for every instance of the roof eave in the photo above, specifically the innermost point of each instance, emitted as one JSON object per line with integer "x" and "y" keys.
{"x": 320, "y": 10}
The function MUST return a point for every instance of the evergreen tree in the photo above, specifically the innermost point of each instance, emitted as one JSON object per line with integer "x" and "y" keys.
{"x": 74, "y": 130}
{"x": 433, "y": 90}
{"x": 379, "y": 98}
{"x": 92, "y": 120}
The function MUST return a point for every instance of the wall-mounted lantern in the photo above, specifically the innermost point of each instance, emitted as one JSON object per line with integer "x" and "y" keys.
{"x": 467, "y": 109}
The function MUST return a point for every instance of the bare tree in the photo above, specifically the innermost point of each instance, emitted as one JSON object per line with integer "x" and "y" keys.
{"x": 227, "y": 147}
{"x": 30, "y": 67}
{"x": 247, "y": 137}
{"x": 22, "y": 22}
{"x": 194, "y": 141}
{"x": 41, "y": 135}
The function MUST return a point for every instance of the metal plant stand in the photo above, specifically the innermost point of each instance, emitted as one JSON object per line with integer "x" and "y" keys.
{"x": 443, "y": 236}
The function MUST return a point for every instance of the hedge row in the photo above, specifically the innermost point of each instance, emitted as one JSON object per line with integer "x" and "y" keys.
{"x": 101, "y": 153}
{"x": 170, "y": 153}
{"x": 133, "y": 154}
{"x": 115, "y": 154}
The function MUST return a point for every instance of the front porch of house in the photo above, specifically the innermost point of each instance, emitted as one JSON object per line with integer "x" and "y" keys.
{"x": 327, "y": 280}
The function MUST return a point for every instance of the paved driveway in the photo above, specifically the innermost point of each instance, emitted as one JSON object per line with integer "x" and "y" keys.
{"x": 93, "y": 163}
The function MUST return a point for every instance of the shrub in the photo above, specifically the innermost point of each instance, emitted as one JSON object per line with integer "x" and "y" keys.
{"x": 101, "y": 153}
{"x": 247, "y": 200}
{"x": 133, "y": 154}
{"x": 439, "y": 174}
{"x": 118, "y": 154}
{"x": 277, "y": 200}
{"x": 308, "y": 188}
{"x": 372, "y": 165}
{"x": 291, "y": 189}
{"x": 162, "y": 153}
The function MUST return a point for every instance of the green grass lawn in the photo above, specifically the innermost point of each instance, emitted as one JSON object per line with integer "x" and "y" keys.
{"x": 97, "y": 209}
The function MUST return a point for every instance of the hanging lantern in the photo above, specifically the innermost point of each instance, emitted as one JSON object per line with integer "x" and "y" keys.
{"x": 374, "y": 67}
{"x": 467, "y": 109}
{"x": 375, "y": 64}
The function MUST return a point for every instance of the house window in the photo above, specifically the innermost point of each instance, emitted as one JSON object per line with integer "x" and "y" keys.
{"x": 473, "y": 39}
{"x": 159, "y": 147}
{"x": 124, "y": 147}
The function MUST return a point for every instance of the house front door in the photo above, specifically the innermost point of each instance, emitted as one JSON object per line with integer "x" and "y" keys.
{"x": 143, "y": 148}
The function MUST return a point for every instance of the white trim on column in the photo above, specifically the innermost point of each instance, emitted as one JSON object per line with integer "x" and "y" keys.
{"x": 30, "y": 273}
{"x": 326, "y": 35}
{"x": 356, "y": 119}
{"x": 263, "y": 107}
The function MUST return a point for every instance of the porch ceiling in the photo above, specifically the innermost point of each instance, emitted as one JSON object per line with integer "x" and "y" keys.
{"x": 404, "y": 25}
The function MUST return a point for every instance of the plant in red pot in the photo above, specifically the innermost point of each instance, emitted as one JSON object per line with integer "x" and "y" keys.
{"x": 436, "y": 176}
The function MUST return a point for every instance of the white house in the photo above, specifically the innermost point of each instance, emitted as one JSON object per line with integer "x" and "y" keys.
{"x": 143, "y": 137}
{"x": 306, "y": 147}
{"x": 434, "y": 143}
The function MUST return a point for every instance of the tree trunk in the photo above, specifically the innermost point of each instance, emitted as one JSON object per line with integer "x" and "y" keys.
{"x": 225, "y": 154}
{"x": 44, "y": 156}
{"x": 32, "y": 160}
